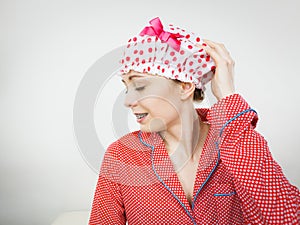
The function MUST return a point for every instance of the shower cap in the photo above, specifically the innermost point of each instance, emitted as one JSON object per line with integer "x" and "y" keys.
{"x": 171, "y": 52}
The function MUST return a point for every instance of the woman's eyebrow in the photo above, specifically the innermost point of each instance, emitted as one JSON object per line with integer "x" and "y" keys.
{"x": 131, "y": 77}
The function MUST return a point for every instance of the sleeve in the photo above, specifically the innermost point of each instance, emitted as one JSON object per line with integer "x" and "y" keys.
{"x": 266, "y": 195}
{"x": 108, "y": 207}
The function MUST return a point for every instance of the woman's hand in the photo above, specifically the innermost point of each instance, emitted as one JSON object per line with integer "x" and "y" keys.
{"x": 222, "y": 83}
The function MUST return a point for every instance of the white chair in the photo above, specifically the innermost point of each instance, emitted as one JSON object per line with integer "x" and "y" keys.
{"x": 72, "y": 218}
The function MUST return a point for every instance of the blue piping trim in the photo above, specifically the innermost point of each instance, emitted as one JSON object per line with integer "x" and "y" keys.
{"x": 211, "y": 172}
{"x": 233, "y": 118}
{"x": 225, "y": 194}
{"x": 161, "y": 180}
{"x": 219, "y": 153}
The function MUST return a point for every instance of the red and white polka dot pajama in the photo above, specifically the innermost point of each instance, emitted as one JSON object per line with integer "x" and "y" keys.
{"x": 237, "y": 181}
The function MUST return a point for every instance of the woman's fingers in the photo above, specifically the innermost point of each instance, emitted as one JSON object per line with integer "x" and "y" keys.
{"x": 222, "y": 82}
{"x": 219, "y": 51}
{"x": 213, "y": 53}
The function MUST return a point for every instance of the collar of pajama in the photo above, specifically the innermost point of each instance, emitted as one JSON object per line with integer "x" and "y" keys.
{"x": 237, "y": 180}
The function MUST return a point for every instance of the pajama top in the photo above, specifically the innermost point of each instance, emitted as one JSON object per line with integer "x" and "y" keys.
{"x": 237, "y": 180}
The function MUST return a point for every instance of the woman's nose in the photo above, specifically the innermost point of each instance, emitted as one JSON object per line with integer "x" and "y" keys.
{"x": 131, "y": 99}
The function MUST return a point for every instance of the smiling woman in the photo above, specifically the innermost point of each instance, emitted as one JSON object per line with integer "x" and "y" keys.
{"x": 188, "y": 165}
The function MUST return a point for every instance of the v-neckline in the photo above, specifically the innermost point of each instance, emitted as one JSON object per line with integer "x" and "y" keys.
{"x": 163, "y": 167}
{"x": 174, "y": 182}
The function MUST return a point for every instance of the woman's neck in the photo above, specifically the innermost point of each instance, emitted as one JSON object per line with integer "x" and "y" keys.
{"x": 182, "y": 139}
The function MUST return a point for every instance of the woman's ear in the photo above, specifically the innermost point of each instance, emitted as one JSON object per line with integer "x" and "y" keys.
{"x": 187, "y": 90}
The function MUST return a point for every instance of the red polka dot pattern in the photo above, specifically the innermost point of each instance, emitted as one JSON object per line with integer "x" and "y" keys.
{"x": 152, "y": 52}
{"x": 238, "y": 183}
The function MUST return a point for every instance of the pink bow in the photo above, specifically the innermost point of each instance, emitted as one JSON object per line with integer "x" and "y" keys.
{"x": 157, "y": 30}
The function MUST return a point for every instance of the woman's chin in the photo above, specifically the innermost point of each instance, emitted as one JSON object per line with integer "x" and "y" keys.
{"x": 155, "y": 125}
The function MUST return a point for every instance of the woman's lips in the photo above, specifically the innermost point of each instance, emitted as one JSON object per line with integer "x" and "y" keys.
{"x": 140, "y": 117}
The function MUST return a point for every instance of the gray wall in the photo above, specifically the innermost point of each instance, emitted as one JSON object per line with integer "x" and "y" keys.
{"x": 46, "y": 48}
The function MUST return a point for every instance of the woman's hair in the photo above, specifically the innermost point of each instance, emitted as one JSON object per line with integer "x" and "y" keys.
{"x": 198, "y": 93}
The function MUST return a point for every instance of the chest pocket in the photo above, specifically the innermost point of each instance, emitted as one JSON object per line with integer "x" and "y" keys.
{"x": 227, "y": 203}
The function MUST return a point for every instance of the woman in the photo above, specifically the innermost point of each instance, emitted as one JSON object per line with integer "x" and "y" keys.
{"x": 187, "y": 165}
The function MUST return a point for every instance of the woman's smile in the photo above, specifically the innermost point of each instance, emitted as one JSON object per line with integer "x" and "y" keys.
{"x": 140, "y": 116}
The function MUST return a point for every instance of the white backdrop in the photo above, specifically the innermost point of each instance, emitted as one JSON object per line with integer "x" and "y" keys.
{"x": 46, "y": 47}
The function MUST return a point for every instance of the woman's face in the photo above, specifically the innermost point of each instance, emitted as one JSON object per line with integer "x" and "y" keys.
{"x": 154, "y": 100}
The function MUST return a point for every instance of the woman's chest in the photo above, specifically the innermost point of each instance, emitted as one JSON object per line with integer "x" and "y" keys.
{"x": 157, "y": 203}
{"x": 187, "y": 177}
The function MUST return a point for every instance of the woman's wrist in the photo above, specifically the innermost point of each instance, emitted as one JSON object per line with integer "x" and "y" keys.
{"x": 225, "y": 95}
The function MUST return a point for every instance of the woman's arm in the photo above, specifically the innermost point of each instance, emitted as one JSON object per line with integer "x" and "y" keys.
{"x": 108, "y": 205}
{"x": 266, "y": 195}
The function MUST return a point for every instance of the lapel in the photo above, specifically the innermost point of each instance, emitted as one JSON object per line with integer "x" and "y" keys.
{"x": 163, "y": 168}
{"x": 209, "y": 157}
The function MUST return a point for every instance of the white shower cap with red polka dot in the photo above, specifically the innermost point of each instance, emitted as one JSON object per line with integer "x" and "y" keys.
{"x": 171, "y": 52}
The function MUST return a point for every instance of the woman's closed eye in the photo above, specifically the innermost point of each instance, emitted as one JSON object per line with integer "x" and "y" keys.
{"x": 140, "y": 88}
{"x": 136, "y": 88}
